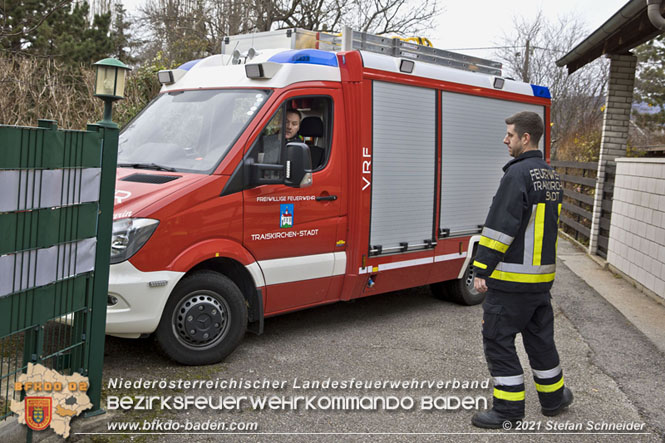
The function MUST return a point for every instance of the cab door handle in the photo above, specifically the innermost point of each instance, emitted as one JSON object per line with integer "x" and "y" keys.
{"x": 321, "y": 198}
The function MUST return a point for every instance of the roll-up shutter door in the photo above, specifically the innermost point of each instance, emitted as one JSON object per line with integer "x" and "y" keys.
{"x": 473, "y": 155}
{"x": 403, "y": 167}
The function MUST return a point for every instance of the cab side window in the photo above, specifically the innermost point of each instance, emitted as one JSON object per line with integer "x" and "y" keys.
{"x": 302, "y": 119}
{"x": 268, "y": 147}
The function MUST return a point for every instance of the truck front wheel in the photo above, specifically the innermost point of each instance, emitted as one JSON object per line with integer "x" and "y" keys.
{"x": 204, "y": 319}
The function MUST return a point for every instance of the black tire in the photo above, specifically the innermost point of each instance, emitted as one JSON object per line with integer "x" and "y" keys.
{"x": 204, "y": 319}
{"x": 460, "y": 291}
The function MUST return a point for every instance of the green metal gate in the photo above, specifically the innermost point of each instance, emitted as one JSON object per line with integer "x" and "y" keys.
{"x": 56, "y": 210}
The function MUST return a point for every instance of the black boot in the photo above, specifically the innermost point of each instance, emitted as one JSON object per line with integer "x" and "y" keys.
{"x": 494, "y": 420}
{"x": 566, "y": 400}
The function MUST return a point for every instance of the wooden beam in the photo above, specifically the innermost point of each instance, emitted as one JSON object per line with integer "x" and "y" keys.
{"x": 588, "y": 199}
{"x": 587, "y": 181}
{"x": 577, "y": 210}
{"x": 576, "y": 226}
{"x": 577, "y": 165}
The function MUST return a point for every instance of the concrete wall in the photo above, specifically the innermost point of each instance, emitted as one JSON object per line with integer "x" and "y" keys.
{"x": 637, "y": 233}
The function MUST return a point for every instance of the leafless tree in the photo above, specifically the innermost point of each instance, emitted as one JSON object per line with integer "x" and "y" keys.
{"x": 99, "y": 6}
{"x": 529, "y": 54}
{"x": 186, "y": 29}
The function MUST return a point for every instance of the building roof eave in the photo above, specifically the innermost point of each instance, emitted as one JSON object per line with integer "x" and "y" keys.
{"x": 627, "y": 28}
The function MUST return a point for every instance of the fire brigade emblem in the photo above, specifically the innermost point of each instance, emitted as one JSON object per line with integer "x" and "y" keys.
{"x": 286, "y": 216}
{"x": 38, "y": 412}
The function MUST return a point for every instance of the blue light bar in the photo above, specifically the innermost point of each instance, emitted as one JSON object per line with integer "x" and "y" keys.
{"x": 306, "y": 56}
{"x": 541, "y": 91}
{"x": 187, "y": 66}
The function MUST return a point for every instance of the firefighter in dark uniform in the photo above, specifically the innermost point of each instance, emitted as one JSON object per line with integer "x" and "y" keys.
{"x": 515, "y": 265}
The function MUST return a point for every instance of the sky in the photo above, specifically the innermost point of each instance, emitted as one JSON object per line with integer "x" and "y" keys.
{"x": 482, "y": 23}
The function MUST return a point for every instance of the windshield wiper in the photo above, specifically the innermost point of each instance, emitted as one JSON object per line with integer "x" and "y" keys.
{"x": 153, "y": 166}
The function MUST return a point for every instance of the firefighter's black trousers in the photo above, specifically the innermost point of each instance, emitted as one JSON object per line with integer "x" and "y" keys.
{"x": 504, "y": 316}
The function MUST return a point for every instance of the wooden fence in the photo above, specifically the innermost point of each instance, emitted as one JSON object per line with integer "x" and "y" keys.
{"x": 579, "y": 181}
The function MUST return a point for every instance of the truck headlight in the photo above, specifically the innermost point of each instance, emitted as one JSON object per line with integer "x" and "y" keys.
{"x": 129, "y": 235}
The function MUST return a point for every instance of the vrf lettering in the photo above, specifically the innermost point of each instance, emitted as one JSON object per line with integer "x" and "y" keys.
{"x": 367, "y": 168}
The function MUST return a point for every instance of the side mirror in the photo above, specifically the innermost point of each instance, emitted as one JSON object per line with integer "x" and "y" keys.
{"x": 298, "y": 166}
{"x": 263, "y": 174}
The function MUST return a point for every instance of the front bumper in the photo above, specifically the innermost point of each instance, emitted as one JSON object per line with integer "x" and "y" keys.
{"x": 141, "y": 297}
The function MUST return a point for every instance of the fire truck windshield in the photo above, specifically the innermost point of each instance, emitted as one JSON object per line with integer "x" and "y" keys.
{"x": 188, "y": 131}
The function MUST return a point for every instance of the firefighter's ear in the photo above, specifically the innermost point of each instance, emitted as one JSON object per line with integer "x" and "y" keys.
{"x": 526, "y": 138}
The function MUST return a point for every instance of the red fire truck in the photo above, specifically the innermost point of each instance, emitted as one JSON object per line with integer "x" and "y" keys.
{"x": 225, "y": 216}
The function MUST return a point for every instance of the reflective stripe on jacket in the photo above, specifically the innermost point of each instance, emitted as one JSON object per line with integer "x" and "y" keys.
{"x": 517, "y": 249}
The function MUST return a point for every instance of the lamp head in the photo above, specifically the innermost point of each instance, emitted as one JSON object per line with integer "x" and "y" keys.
{"x": 110, "y": 79}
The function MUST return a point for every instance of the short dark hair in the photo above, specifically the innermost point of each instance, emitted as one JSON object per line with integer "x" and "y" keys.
{"x": 295, "y": 111}
{"x": 527, "y": 122}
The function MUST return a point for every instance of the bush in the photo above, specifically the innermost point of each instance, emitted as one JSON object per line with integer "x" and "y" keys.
{"x": 33, "y": 88}
{"x": 583, "y": 145}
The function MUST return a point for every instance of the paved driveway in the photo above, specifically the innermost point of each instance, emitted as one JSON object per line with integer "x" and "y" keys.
{"x": 614, "y": 371}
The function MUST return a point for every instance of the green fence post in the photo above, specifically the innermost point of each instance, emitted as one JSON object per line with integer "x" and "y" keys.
{"x": 109, "y": 92}
{"x": 33, "y": 345}
{"x": 102, "y": 263}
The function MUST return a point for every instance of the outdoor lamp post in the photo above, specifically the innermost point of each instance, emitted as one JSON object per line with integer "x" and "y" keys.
{"x": 110, "y": 85}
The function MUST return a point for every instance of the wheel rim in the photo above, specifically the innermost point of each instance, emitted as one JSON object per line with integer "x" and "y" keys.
{"x": 201, "y": 320}
{"x": 469, "y": 275}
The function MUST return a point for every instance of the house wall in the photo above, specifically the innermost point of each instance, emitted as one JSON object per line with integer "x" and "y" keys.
{"x": 637, "y": 232}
